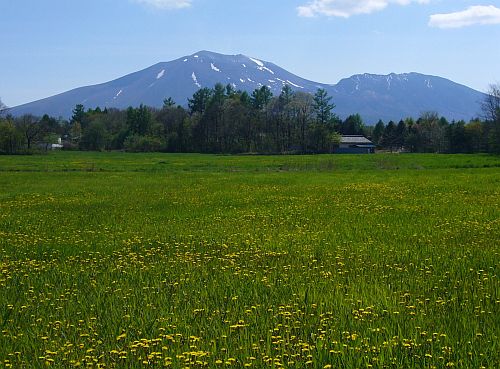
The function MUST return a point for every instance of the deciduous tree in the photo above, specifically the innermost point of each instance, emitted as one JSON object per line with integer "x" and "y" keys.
{"x": 3, "y": 107}
{"x": 491, "y": 110}
{"x": 30, "y": 128}
{"x": 491, "y": 104}
{"x": 10, "y": 137}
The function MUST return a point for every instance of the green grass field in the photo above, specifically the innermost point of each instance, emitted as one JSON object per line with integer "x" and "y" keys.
{"x": 115, "y": 260}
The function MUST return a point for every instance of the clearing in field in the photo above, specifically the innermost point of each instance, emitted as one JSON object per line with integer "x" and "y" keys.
{"x": 194, "y": 261}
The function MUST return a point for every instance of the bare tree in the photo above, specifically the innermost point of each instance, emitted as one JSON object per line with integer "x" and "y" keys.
{"x": 303, "y": 104}
{"x": 3, "y": 107}
{"x": 491, "y": 110}
{"x": 30, "y": 128}
{"x": 491, "y": 104}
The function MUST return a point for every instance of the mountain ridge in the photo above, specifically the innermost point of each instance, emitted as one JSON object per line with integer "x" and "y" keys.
{"x": 387, "y": 97}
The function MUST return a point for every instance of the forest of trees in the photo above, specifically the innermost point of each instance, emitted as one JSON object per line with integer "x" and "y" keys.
{"x": 222, "y": 120}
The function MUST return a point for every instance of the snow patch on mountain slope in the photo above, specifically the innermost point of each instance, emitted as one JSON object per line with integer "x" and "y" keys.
{"x": 195, "y": 80}
{"x": 161, "y": 74}
{"x": 265, "y": 69}
{"x": 260, "y": 65}
{"x": 214, "y": 67}
{"x": 294, "y": 85}
{"x": 257, "y": 61}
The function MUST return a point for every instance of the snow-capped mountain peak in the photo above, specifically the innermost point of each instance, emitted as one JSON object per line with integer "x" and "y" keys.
{"x": 393, "y": 96}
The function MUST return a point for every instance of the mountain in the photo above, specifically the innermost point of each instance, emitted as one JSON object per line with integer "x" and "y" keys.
{"x": 374, "y": 97}
{"x": 397, "y": 96}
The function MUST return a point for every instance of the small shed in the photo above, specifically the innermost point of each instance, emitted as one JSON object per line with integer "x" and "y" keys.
{"x": 355, "y": 144}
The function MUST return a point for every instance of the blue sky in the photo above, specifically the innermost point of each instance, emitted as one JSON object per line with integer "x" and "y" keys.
{"x": 50, "y": 46}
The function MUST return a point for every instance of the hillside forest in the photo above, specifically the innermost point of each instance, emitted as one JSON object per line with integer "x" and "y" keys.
{"x": 223, "y": 120}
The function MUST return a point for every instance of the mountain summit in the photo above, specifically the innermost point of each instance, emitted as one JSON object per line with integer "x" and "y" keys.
{"x": 374, "y": 97}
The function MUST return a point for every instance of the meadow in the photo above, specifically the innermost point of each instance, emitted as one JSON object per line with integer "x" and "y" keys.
{"x": 114, "y": 260}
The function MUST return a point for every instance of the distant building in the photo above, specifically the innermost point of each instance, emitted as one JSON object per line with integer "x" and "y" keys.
{"x": 355, "y": 145}
{"x": 56, "y": 146}
{"x": 50, "y": 145}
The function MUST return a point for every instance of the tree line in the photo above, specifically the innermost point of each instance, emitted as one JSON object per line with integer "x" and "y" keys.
{"x": 223, "y": 120}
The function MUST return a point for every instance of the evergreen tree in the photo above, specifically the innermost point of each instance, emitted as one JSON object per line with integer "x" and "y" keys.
{"x": 215, "y": 112}
{"x": 322, "y": 106}
{"x": 400, "y": 134}
{"x": 286, "y": 95}
{"x": 78, "y": 115}
{"x": 378, "y": 132}
{"x": 199, "y": 102}
{"x": 353, "y": 125}
{"x": 230, "y": 91}
{"x": 261, "y": 97}
{"x": 139, "y": 120}
{"x": 245, "y": 98}
{"x": 169, "y": 103}
{"x": 389, "y": 137}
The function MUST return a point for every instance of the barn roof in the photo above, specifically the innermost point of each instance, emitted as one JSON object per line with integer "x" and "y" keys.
{"x": 355, "y": 140}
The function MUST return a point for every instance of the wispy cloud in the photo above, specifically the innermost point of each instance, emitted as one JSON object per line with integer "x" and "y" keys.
{"x": 478, "y": 14}
{"x": 347, "y": 8}
{"x": 166, "y": 4}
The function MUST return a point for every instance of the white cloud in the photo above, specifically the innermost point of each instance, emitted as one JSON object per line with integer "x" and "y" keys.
{"x": 166, "y": 4}
{"x": 478, "y": 14}
{"x": 346, "y": 8}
